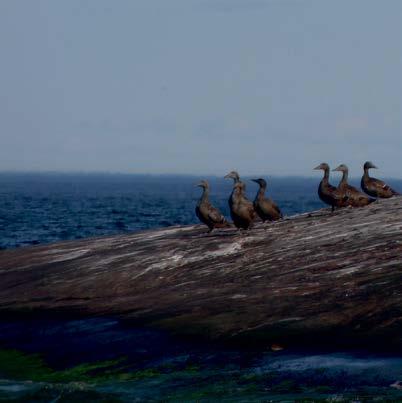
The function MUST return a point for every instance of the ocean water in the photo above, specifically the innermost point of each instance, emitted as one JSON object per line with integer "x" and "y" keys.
{"x": 43, "y": 208}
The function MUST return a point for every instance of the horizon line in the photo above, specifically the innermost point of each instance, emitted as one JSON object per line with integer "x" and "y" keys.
{"x": 111, "y": 173}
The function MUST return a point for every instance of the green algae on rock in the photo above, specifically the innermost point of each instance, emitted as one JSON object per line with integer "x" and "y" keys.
{"x": 17, "y": 365}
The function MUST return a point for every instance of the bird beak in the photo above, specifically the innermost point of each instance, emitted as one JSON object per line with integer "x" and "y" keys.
{"x": 198, "y": 185}
{"x": 228, "y": 176}
{"x": 317, "y": 167}
{"x": 373, "y": 166}
{"x": 254, "y": 180}
{"x": 336, "y": 169}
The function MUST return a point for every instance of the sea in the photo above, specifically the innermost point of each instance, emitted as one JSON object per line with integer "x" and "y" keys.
{"x": 39, "y": 208}
{"x": 43, "y": 208}
{"x": 101, "y": 359}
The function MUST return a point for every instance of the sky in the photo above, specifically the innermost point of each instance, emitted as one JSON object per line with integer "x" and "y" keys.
{"x": 200, "y": 86}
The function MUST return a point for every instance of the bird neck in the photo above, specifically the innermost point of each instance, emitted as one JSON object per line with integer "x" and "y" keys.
{"x": 366, "y": 173}
{"x": 326, "y": 175}
{"x": 205, "y": 194}
{"x": 344, "y": 179}
{"x": 261, "y": 192}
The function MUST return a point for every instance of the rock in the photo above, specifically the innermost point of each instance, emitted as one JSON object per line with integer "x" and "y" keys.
{"x": 321, "y": 278}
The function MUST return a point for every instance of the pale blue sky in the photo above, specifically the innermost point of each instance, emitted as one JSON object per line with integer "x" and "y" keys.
{"x": 200, "y": 86}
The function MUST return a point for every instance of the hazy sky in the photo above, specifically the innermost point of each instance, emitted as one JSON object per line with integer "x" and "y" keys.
{"x": 200, "y": 86}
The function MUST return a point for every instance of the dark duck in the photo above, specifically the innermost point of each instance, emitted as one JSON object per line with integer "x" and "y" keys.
{"x": 241, "y": 209}
{"x": 355, "y": 198}
{"x": 327, "y": 193}
{"x": 206, "y": 212}
{"x": 236, "y": 179}
{"x": 375, "y": 187}
{"x": 265, "y": 207}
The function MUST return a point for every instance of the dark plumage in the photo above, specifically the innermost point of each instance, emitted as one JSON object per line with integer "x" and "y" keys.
{"x": 265, "y": 207}
{"x": 375, "y": 187}
{"x": 242, "y": 212}
{"x": 330, "y": 194}
{"x": 236, "y": 179}
{"x": 355, "y": 198}
{"x": 241, "y": 209}
{"x": 206, "y": 212}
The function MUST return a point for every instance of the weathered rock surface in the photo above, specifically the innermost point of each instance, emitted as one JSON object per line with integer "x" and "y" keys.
{"x": 314, "y": 278}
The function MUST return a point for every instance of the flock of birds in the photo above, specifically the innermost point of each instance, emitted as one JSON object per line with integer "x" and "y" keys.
{"x": 243, "y": 212}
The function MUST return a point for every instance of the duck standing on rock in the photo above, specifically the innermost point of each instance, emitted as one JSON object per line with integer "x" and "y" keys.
{"x": 327, "y": 193}
{"x": 206, "y": 212}
{"x": 354, "y": 197}
{"x": 241, "y": 209}
{"x": 265, "y": 207}
{"x": 375, "y": 187}
{"x": 236, "y": 179}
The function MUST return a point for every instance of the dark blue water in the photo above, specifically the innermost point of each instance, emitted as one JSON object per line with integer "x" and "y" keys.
{"x": 41, "y": 208}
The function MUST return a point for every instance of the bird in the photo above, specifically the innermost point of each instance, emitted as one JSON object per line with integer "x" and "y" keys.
{"x": 236, "y": 179}
{"x": 355, "y": 198}
{"x": 233, "y": 175}
{"x": 206, "y": 212}
{"x": 241, "y": 209}
{"x": 375, "y": 187}
{"x": 327, "y": 193}
{"x": 240, "y": 214}
{"x": 265, "y": 207}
